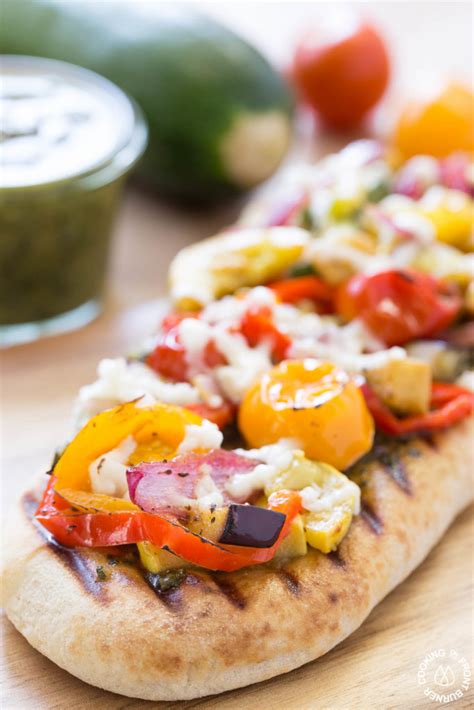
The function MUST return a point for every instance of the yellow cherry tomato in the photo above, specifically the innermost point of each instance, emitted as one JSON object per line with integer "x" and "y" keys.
{"x": 315, "y": 403}
{"x": 440, "y": 126}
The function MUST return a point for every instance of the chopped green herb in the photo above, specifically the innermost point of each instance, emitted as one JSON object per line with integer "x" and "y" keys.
{"x": 101, "y": 576}
{"x": 302, "y": 270}
{"x": 164, "y": 581}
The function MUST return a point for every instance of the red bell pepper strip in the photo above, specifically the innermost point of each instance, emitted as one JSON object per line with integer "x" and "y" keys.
{"x": 168, "y": 357}
{"x": 257, "y": 327}
{"x": 73, "y": 528}
{"x": 305, "y": 287}
{"x": 449, "y": 405}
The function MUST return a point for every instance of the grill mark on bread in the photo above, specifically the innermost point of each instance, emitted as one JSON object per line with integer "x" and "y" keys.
{"x": 336, "y": 559}
{"x": 291, "y": 581}
{"x": 229, "y": 590}
{"x": 394, "y": 465}
{"x": 368, "y": 514}
{"x": 390, "y": 455}
{"x": 79, "y": 564}
{"x": 430, "y": 439}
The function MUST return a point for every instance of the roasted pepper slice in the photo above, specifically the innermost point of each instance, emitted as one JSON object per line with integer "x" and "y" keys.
{"x": 74, "y": 528}
{"x": 161, "y": 422}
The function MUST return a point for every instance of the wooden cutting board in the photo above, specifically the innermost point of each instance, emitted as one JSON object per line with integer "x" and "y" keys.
{"x": 376, "y": 667}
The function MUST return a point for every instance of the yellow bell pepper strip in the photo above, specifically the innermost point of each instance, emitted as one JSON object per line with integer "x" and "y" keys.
{"x": 161, "y": 422}
{"x": 73, "y": 528}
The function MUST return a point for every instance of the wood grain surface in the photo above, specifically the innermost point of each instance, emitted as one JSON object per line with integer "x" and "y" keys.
{"x": 377, "y": 666}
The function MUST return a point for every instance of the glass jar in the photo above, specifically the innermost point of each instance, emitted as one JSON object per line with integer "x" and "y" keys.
{"x": 68, "y": 138}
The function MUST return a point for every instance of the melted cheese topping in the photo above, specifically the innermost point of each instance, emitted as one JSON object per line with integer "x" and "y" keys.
{"x": 120, "y": 381}
{"x": 316, "y": 499}
{"x": 108, "y": 471}
{"x": 201, "y": 436}
{"x": 276, "y": 458}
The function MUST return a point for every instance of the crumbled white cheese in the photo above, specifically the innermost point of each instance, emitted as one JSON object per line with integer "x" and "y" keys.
{"x": 246, "y": 364}
{"x": 352, "y": 347}
{"x": 194, "y": 335}
{"x": 108, "y": 471}
{"x": 317, "y": 499}
{"x": 201, "y": 436}
{"x": 227, "y": 310}
{"x": 423, "y": 168}
{"x": 417, "y": 225}
{"x": 207, "y": 493}
{"x": 276, "y": 459}
{"x": 121, "y": 381}
{"x": 466, "y": 380}
{"x": 437, "y": 195}
{"x": 260, "y": 296}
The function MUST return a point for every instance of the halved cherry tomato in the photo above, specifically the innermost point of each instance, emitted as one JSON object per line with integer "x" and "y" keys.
{"x": 342, "y": 78}
{"x": 74, "y": 527}
{"x": 169, "y": 357}
{"x": 399, "y": 306}
{"x": 449, "y": 405}
{"x": 316, "y": 404}
{"x": 305, "y": 287}
{"x": 257, "y": 327}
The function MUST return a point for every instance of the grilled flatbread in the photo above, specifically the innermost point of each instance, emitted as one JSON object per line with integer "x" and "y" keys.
{"x": 95, "y": 615}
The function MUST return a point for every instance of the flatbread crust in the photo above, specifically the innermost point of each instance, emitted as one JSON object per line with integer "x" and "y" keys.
{"x": 221, "y": 631}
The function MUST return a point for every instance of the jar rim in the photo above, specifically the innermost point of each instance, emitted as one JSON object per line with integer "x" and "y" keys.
{"x": 132, "y": 139}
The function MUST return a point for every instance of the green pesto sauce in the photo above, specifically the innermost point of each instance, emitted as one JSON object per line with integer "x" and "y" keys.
{"x": 53, "y": 248}
{"x": 67, "y": 139}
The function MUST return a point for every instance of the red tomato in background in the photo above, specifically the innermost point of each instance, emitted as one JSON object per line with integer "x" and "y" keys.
{"x": 343, "y": 78}
{"x": 399, "y": 306}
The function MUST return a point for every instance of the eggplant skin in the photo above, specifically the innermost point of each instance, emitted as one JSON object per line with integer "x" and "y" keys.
{"x": 251, "y": 526}
{"x": 192, "y": 77}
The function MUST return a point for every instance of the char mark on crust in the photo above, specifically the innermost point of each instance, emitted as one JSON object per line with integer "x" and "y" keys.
{"x": 88, "y": 574}
{"x": 430, "y": 439}
{"x": 333, "y": 597}
{"x": 368, "y": 514}
{"x": 394, "y": 465}
{"x": 389, "y": 453}
{"x": 229, "y": 590}
{"x": 291, "y": 581}
{"x": 336, "y": 559}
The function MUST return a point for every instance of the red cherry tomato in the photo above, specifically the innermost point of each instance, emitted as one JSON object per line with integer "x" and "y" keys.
{"x": 399, "y": 306}
{"x": 342, "y": 79}
{"x": 169, "y": 357}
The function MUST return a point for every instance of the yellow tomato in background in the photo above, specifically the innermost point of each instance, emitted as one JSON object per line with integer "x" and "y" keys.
{"x": 439, "y": 126}
{"x": 315, "y": 403}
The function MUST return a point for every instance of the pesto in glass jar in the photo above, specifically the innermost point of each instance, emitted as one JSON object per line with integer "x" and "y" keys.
{"x": 68, "y": 138}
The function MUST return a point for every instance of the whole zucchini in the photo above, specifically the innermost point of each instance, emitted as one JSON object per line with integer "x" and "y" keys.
{"x": 219, "y": 114}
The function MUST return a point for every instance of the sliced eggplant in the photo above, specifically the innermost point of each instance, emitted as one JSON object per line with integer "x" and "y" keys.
{"x": 251, "y": 526}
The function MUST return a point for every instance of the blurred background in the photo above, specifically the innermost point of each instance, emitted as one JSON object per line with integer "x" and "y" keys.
{"x": 428, "y": 44}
